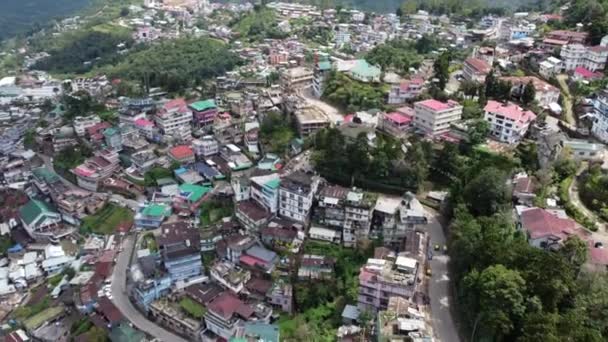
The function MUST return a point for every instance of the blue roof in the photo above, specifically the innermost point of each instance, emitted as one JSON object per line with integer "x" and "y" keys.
{"x": 180, "y": 171}
{"x": 206, "y": 170}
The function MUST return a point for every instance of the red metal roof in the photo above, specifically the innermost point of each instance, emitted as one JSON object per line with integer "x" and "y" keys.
{"x": 181, "y": 152}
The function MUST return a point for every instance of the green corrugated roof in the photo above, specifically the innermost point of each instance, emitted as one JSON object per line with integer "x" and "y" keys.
{"x": 33, "y": 209}
{"x": 157, "y": 210}
{"x": 264, "y": 331}
{"x": 275, "y": 183}
{"x": 195, "y": 191}
{"x": 325, "y": 65}
{"x": 203, "y": 105}
{"x": 365, "y": 69}
{"x": 45, "y": 175}
{"x": 110, "y": 131}
{"x": 124, "y": 333}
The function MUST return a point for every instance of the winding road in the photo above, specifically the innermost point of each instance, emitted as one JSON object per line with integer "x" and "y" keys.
{"x": 439, "y": 285}
{"x": 121, "y": 299}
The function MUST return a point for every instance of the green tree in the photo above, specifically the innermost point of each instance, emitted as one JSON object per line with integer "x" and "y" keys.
{"x": 540, "y": 326}
{"x": 565, "y": 166}
{"x": 500, "y": 299}
{"x": 575, "y": 251}
{"x": 486, "y": 194}
{"x": 441, "y": 67}
{"x": 529, "y": 94}
{"x": 478, "y": 131}
{"x": 358, "y": 155}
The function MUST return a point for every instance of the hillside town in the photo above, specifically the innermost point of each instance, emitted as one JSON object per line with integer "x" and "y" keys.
{"x": 345, "y": 176}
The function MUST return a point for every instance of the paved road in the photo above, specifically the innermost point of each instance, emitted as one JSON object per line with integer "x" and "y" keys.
{"x": 439, "y": 285}
{"x": 575, "y": 199}
{"x": 123, "y": 303}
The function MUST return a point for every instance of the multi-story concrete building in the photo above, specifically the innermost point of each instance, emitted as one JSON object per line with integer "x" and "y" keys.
{"x": 174, "y": 119}
{"x": 182, "y": 154}
{"x": 396, "y": 216}
{"x": 180, "y": 249}
{"x": 265, "y": 191}
{"x": 476, "y": 70}
{"x": 546, "y": 94}
{"x": 342, "y": 35}
{"x": 381, "y": 279}
{"x": 310, "y": 120}
{"x": 296, "y": 195}
{"x": 169, "y": 315}
{"x": 205, "y": 146}
{"x": 149, "y": 290}
{"x": 600, "y": 112}
{"x": 39, "y": 219}
{"x": 508, "y": 122}
{"x": 113, "y": 139}
{"x": 405, "y": 91}
{"x": 81, "y": 123}
{"x": 349, "y": 212}
{"x": 151, "y": 215}
{"x": 322, "y": 69}
{"x": 95, "y": 170}
{"x": 296, "y": 79}
{"x": 434, "y": 117}
{"x": 252, "y": 215}
{"x": 204, "y": 113}
{"x": 358, "y": 210}
{"x": 226, "y": 313}
{"x": 230, "y": 276}
{"x": 397, "y": 123}
{"x": 592, "y": 58}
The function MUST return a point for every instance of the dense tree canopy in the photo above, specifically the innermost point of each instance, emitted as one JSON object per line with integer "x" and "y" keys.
{"x": 352, "y": 95}
{"x": 399, "y": 55}
{"x": 85, "y": 50}
{"x": 177, "y": 64}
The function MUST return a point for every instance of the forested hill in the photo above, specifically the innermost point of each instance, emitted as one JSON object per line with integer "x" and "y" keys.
{"x": 21, "y": 16}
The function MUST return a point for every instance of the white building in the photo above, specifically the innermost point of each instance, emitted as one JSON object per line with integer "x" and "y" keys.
{"x": 296, "y": 196}
{"x": 476, "y": 70}
{"x": 81, "y": 123}
{"x": 265, "y": 191}
{"x": 435, "y": 117}
{"x": 174, "y": 119}
{"x": 600, "y": 125}
{"x": 546, "y": 94}
{"x": 508, "y": 122}
{"x": 324, "y": 234}
{"x": 592, "y": 58}
{"x": 550, "y": 67}
{"x": 206, "y": 146}
{"x": 342, "y": 35}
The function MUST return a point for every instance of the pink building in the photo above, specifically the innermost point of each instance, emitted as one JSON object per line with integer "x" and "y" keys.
{"x": 405, "y": 91}
{"x": 91, "y": 173}
{"x": 397, "y": 123}
{"x": 145, "y": 127}
{"x": 204, "y": 113}
{"x": 434, "y": 117}
{"x": 508, "y": 122}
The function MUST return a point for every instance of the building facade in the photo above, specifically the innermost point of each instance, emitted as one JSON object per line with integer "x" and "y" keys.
{"x": 296, "y": 195}
{"x": 434, "y": 117}
{"x": 508, "y": 122}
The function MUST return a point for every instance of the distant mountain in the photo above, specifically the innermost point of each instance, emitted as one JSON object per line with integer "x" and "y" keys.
{"x": 20, "y": 16}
